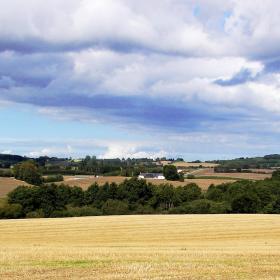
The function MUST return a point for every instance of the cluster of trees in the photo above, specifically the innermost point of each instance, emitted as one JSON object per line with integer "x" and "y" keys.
{"x": 139, "y": 197}
{"x": 29, "y": 172}
{"x": 118, "y": 167}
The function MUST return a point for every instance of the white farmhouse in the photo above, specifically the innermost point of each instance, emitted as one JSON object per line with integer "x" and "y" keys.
{"x": 158, "y": 176}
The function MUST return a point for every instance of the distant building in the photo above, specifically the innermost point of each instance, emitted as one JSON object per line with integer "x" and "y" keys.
{"x": 158, "y": 176}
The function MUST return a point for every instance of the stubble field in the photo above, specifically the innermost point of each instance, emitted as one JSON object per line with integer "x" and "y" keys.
{"x": 142, "y": 247}
{"x": 209, "y": 172}
{"x": 85, "y": 181}
{"x": 9, "y": 184}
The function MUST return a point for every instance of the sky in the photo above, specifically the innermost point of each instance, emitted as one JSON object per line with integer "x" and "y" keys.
{"x": 129, "y": 78}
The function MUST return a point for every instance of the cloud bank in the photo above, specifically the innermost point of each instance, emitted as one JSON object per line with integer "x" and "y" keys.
{"x": 165, "y": 67}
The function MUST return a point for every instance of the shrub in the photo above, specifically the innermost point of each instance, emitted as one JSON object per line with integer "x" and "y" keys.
{"x": 76, "y": 212}
{"x": 35, "y": 214}
{"x": 11, "y": 211}
{"x": 276, "y": 175}
{"x": 144, "y": 209}
{"x": 200, "y": 206}
{"x": 53, "y": 178}
{"x": 6, "y": 173}
{"x": 177, "y": 210}
{"x": 115, "y": 207}
{"x": 89, "y": 211}
{"x": 220, "y": 208}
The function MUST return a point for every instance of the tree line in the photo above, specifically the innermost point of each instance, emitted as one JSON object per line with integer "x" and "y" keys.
{"x": 90, "y": 165}
{"x": 136, "y": 196}
{"x": 29, "y": 172}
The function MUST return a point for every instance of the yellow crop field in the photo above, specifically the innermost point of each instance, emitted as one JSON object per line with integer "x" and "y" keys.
{"x": 142, "y": 247}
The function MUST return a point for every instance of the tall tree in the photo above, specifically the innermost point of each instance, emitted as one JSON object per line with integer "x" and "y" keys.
{"x": 28, "y": 172}
{"x": 170, "y": 172}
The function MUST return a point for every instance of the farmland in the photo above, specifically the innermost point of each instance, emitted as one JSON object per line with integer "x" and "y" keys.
{"x": 85, "y": 181}
{"x": 244, "y": 176}
{"x": 209, "y": 172}
{"x": 190, "y": 164}
{"x": 142, "y": 247}
{"x": 8, "y": 184}
{"x": 206, "y": 177}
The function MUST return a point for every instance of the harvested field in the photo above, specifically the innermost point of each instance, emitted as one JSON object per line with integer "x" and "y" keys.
{"x": 202, "y": 183}
{"x": 247, "y": 176}
{"x": 85, "y": 181}
{"x": 142, "y": 247}
{"x": 207, "y": 172}
{"x": 8, "y": 184}
{"x": 266, "y": 171}
{"x": 190, "y": 164}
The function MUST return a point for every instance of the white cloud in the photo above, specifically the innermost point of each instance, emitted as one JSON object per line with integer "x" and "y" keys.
{"x": 125, "y": 150}
{"x": 221, "y": 28}
{"x": 52, "y": 151}
{"x": 7, "y": 152}
{"x": 173, "y": 28}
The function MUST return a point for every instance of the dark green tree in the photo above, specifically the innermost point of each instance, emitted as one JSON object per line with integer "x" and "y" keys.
{"x": 246, "y": 203}
{"x": 188, "y": 193}
{"x": 28, "y": 171}
{"x": 276, "y": 175}
{"x": 170, "y": 172}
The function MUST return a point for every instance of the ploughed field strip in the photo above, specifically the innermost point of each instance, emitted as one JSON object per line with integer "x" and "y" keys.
{"x": 142, "y": 247}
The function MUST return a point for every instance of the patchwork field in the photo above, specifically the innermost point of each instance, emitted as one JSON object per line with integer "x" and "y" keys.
{"x": 85, "y": 181}
{"x": 9, "y": 184}
{"x": 142, "y": 247}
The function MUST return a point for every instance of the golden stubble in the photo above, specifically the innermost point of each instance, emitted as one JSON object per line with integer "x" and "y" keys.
{"x": 142, "y": 247}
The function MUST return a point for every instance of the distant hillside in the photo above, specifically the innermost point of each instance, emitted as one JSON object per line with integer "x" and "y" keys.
{"x": 129, "y": 167}
{"x": 268, "y": 161}
{"x": 7, "y": 160}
